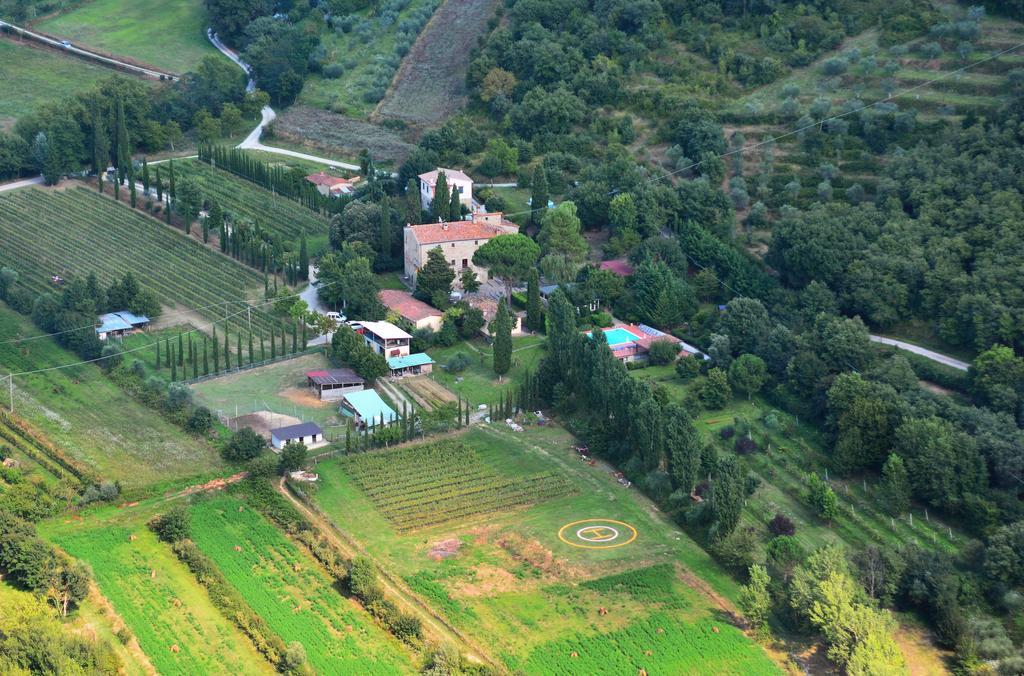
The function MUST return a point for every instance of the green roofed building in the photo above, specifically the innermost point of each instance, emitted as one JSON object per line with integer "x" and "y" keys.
{"x": 410, "y": 364}
{"x": 367, "y": 408}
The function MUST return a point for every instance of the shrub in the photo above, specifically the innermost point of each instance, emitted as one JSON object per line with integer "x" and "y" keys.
{"x": 173, "y": 525}
{"x": 333, "y": 71}
{"x": 663, "y": 352}
{"x": 688, "y": 368}
{"x": 745, "y": 446}
{"x": 602, "y": 319}
{"x": 727, "y": 432}
{"x": 244, "y": 445}
{"x": 781, "y": 525}
{"x": 459, "y": 362}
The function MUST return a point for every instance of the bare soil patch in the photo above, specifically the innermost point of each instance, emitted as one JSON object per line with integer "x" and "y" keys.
{"x": 537, "y": 555}
{"x": 303, "y": 397}
{"x": 488, "y": 581}
{"x": 445, "y": 549}
{"x": 431, "y": 83}
{"x": 333, "y": 134}
{"x": 262, "y": 422}
{"x": 937, "y": 389}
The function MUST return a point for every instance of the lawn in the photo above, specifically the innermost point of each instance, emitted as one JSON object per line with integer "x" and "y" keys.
{"x": 286, "y": 587}
{"x": 155, "y": 594}
{"x": 477, "y": 383}
{"x": 514, "y": 585}
{"x": 279, "y": 388}
{"x": 91, "y": 418}
{"x": 32, "y": 76}
{"x": 168, "y": 35}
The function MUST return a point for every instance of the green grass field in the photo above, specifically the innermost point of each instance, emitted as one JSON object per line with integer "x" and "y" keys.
{"x": 91, "y": 418}
{"x": 168, "y": 35}
{"x": 279, "y": 216}
{"x": 285, "y": 587}
{"x": 40, "y": 240}
{"x": 514, "y": 585}
{"x": 155, "y": 594}
{"x": 32, "y": 76}
{"x": 477, "y": 383}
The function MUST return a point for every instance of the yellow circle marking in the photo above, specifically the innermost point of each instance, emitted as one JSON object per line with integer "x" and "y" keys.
{"x": 597, "y": 533}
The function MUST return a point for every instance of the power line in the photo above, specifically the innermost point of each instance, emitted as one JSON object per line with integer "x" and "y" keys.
{"x": 946, "y": 75}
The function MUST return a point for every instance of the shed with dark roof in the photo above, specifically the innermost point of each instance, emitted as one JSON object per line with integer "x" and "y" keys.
{"x": 332, "y": 384}
{"x": 307, "y": 433}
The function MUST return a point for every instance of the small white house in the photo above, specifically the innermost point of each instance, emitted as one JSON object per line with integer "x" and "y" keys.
{"x": 308, "y": 433}
{"x": 457, "y": 182}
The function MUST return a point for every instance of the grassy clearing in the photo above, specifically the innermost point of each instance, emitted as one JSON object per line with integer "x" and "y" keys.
{"x": 86, "y": 414}
{"x": 320, "y": 132}
{"x": 32, "y": 76}
{"x": 513, "y": 583}
{"x": 39, "y": 241}
{"x": 280, "y": 388}
{"x": 169, "y": 35}
{"x": 477, "y": 383}
{"x": 431, "y": 83}
{"x": 155, "y": 594}
{"x": 288, "y": 590}
{"x": 366, "y": 56}
{"x": 280, "y": 216}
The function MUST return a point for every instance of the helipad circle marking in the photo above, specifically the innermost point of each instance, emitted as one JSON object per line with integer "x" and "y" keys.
{"x": 597, "y": 534}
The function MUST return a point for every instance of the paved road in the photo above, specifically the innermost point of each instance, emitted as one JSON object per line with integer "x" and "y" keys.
{"x": 46, "y": 40}
{"x": 924, "y": 352}
{"x": 24, "y": 183}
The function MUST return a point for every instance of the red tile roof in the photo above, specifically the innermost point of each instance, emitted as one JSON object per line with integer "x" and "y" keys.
{"x": 404, "y": 304}
{"x": 326, "y": 179}
{"x": 619, "y": 266}
{"x": 456, "y": 231}
{"x": 453, "y": 174}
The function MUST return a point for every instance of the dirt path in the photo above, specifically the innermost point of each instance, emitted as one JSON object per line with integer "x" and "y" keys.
{"x": 393, "y": 586}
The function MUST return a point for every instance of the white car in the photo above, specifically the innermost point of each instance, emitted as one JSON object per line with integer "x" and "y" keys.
{"x": 65, "y": 43}
{"x": 336, "y": 316}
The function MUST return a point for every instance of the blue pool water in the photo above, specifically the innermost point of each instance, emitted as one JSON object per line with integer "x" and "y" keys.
{"x": 618, "y": 336}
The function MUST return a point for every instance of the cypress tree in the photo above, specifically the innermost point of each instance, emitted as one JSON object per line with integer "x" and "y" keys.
{"x": 206, "y": 359}
{"x": 442, "y": 198}
{"x": 502, "y": 329}
{"x": 250, "y": 348}
{"x": 455, "y": 209}
{"x": 181, "y": 345}
{"x": 192, "y": 353}
{"x": 195, "y": 366}
{"x": 385, "y": 227}
{"x": 263, "y": 348}
{"x": 238, "y": 349}
{"x": 167, "y": 352}
{"x": 131, "y": 187}
{"x": 157, "y": 355}
{"x": 305, "y": 342}
{"x": 273, "y": 345}
{"x": 99, "y": 182}
{"x": 539, "y": 197}
{"x": 145, "y": 175}
{"x": 412, "y": 207}
{"x": 170, "y": 188}
{"x": 124, "y": 148}
{"x": 167, "y": 210}
{"x": 159, "y": 186}
{"x": 227, "y": 351}
{"x": 216, "y": 352}
{"x": 117, "y": 190}
{"x": 533, "y": 312}
{"x": 284, "y": 343}
{"x": 174, "y": 369}
{"x": 100, "y": 143}
{"x": 303, "y": 259}
{"x": 295, "y": 339}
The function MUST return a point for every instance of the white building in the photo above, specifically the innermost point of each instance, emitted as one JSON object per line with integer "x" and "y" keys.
{"x": 384, "y": 338}
{"x": 308, "y": 433}
{"x": 457, "y": 181}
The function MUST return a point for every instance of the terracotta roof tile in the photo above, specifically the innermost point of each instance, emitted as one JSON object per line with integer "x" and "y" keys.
{"x": 404, "y": 304}
{"x": 456, "y": 231}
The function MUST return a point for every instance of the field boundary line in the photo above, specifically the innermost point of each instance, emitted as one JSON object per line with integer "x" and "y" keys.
{"x": 395, "y": 585}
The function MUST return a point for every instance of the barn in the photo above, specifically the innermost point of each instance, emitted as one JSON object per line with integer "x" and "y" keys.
{"x": 332, "y": 384}
{"x": 308, "y": 433}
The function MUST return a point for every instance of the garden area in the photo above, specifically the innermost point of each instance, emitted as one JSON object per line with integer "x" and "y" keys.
{"x": 473, "y": 379}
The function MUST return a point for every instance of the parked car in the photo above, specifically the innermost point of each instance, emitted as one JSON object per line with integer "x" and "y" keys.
{"x": 65, "y": 44}
{"x": 336, "y": 316}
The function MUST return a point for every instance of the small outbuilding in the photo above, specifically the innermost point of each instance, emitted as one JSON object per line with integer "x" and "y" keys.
{"x": 117, "y": 324}
{"x": 411, "y": 365}
{"x": 416, "y": 312}
{"x": 367, "y": 408}
{"x": 308, "y": 433}
{"x": 332, "y": 384}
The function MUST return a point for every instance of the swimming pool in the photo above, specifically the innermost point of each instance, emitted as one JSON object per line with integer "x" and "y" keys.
{"x": 619, "y": 335}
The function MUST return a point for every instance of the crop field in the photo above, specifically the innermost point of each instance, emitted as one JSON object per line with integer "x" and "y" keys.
{"x": 323, "y": 132}
{"x": 32, "y": 76}
{"x": 157, "y": 597}
{"x": 364, "y": 50}
{"x": 431, "y": 84}
{"x": 45, "y": 233}
{"x": 288, "y": 590}
{"x": 507, "y": 580}
{"x": 659, "y": 644}
{"x": 421, "y": 486}
{"x": 169, "y": 35}
{"x": 280, "y": 216}
{"x": 84, "y": 413}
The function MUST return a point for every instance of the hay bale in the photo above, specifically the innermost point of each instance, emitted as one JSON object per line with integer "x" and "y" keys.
{"x": 661, "y": 630}
{"x": 133, "y": 537}
{"x": 574, "y": 654}
{"x": 714, "y": 629}
{"x": 152, "y": 573}
{"x": 237, "y": 548}
{"x": 175, "y": 649}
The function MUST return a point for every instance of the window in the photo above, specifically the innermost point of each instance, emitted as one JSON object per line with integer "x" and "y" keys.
{"x": 453, "y": 262}
{"x": 476, "y": 242}
{"x": 453, "y": 245}
{"x": 460, "y": 189}
{"x": 465, "y": 263}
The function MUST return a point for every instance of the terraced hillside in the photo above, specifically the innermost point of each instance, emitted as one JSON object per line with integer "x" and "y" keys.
{"x": 74, "y": 232}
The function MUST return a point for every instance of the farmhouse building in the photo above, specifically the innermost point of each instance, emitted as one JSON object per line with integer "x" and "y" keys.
{"x": 459, "y": 240}
{"x": 333, "y": 186}
{"x": 489, "y": 308}
{"x": 457, "y": 182}
{"x": 332, "y": 384}
{"x": 413, "y": 310}
{"x": 117, "y": 324}
{"x": 367, "y": 408}
{"x": 384, "y": 338}
{"x": 308, "y": 433}
{"x": 410, "y": 365}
